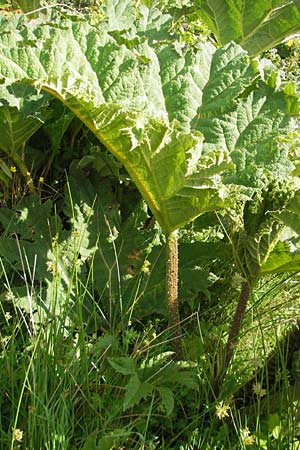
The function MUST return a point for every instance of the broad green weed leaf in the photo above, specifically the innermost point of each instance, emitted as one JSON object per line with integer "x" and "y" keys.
{"x": 123, "y": 364}
{"x": 185, "y": 378}
{"x": 36, "y": 247}
{"x": 154, "y": 25}
{"x": 290, "y": 216}
{"x": 196, "y": 279}
{"x": 28, "y": 230}
{"x": 136, "y": 391}
{"x": 105, "y": 233}
{"x": 282, "y": 259}
{"x": 90, "y": 442}
{"x": 15, "y": 130}
{"x": 249, "y": 133}
{"x": 57, "y": 127}
{"x": 157, "y": 360}
{"x": 172, "y": 375}
{"x": 104, "y": 343}
{"x": 132, "y": 392}
{"x": 22, "y": 113}
{"x": 257, "y": 25}
{"x": 167, "y": 398}
{"x": 257, "y": 246}
{"x": 230, "y": 74}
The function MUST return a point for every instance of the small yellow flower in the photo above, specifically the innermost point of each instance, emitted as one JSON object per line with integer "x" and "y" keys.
{"x": 41, "y": 179}
{"x": 13, "y": 169}
{"x": 222, "y": 410}
{"x": 249, "y": 440}
{"x": 246, "y": 436}
{"x": 17, "y": 434}
{"x": 9, "y": 296}
{"x": 146, "y": 267}
{"x": 258, "y": 390}
{"x": 51, "y": 266}
{"x": 7, "y": 316}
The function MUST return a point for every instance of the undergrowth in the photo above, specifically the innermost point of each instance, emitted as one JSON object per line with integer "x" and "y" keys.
{"x": 90, "y": 368}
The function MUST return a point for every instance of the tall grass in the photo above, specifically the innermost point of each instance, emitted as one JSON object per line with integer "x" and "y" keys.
{"x": 68, "y": 384}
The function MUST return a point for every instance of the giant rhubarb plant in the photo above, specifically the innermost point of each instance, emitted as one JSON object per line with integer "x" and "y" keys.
{"x": 176, "y": 117}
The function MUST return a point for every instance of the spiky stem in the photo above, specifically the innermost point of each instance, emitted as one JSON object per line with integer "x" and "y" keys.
{"x": 237, "y": 321}
{"x": 172, "y": 293}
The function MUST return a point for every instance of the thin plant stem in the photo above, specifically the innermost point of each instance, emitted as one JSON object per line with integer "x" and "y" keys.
{"x": 172, "y": 292}
{"x": 237, "y": 321}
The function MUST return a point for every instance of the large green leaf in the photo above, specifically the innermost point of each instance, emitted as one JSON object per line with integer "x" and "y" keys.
{"x": 257, "y": 246}
{"x": 290, "y": 216}
{"x": 22, "y": 113}
{"x": 282, "y": 259}
{"x": 57, "y": 127}
{"x": 14, "y": 130}
{"x": 257, "y": 25}
{"x": 151, "y": 103}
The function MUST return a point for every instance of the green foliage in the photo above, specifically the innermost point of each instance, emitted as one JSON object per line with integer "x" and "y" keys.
{"x": 286, "y": 58}
{"x": 98, "y": 243}
{"x": 26, "y": 5}
{"x": 84, "y": 344}
{"x": 153, "y": 377}
{"x": 259, "y": 246}
{"x": 256, "y": 25}
{"x": 115, "y": 254}
{"x": 22, "y": 113}
{"x": 156, "y": 135}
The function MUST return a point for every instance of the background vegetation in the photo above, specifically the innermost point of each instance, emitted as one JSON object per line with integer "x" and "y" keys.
{"x": 86, "y": 351}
